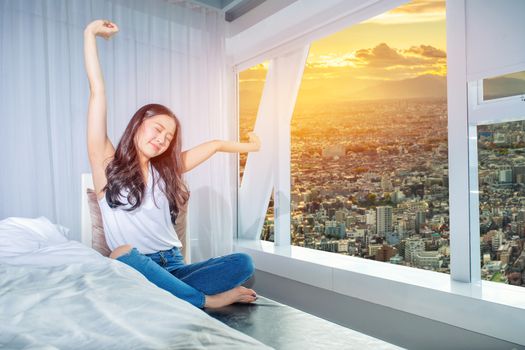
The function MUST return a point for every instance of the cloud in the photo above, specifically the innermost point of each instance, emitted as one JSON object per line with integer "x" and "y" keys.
{"x": 381, "y": 62}
{"x": 381, "y": 52}
{"x": 254, "y": 74}
{"x": 427, "y": 51}
{"x": 384, "y": 56}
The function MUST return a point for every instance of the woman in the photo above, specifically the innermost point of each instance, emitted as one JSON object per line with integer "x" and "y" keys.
{"x": 140, "y": 189}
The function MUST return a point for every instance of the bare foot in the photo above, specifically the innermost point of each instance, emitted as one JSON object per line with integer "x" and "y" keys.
{"x": 238, "y": 294}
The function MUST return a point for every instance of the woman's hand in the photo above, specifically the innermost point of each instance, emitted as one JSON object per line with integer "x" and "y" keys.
{"x": 103, "y": 28}
{"x": 254, "y": 141}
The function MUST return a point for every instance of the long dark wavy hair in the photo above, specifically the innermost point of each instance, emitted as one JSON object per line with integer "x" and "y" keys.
{"x": 124, "y": 172}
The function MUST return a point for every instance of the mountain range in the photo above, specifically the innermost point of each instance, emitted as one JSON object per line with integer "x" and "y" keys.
{"x": 424, "y": 86}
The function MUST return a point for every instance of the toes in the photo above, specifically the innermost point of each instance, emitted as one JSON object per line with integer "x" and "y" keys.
{"x": 248, "y": 291}
{"x": 246, "y": 295}
{"x": 247, "y": 300}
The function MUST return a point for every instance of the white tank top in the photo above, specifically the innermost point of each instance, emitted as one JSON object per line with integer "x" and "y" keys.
{"x": 147, "y": 228}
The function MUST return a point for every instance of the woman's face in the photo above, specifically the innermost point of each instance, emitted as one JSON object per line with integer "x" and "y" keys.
{"x": 155, "y": 135}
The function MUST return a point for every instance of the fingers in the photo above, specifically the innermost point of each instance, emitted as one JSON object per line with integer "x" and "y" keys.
{"x": 104, "y": 28}
{"x": 253, "y": 137}
{"x": 108, "y": 24}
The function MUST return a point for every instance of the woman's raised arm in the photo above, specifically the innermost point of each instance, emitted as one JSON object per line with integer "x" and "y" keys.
{"x": 197, "y": 155}
{"x": 100, "y": 149}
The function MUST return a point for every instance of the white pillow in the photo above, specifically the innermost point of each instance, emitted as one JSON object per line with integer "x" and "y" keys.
{"x": 22, "y": 235}
{"x": 63, "y": 230}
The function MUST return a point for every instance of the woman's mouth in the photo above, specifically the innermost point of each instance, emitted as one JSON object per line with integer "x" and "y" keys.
{"x": 155, "y": 147}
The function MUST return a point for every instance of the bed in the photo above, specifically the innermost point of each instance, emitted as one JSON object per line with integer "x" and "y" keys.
{"x": 59, "y": 294}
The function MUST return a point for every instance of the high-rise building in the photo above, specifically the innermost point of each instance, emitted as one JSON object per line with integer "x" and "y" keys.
{"x": 420, "y": 220}
{"x": 386, "y": 184}
{"x": 413, "y": 245}
{"x": 397, "y": 196}
{"x": 370, "y": 217}
{"x": 518, "y": 174}
{"x": 505, "y": 175}
{"x": 383, "y": 220}
{"x": 497, "y": 240}
{"x": 340, "y": 216}
{"x": 500, "y": 138}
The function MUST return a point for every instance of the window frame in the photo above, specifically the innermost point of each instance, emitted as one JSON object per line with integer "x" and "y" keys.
{"x": 463, "y": 288}
{"x": 481, "y": 112}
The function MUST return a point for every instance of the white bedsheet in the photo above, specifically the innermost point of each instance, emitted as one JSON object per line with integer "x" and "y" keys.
{"x": 67, "y": 296}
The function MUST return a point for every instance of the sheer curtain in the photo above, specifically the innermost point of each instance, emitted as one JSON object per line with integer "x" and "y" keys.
{"x": 166, "y": 52}
{"x": 269, "y": 169}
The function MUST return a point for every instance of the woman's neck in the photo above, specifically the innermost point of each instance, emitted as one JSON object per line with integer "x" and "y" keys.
{"x": 144, "y": 167}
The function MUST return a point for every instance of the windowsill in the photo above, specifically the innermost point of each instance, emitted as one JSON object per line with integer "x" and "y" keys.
{"x": 490, "y": 308}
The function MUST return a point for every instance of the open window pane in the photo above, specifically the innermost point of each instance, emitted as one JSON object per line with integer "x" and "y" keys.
{"x": 504, "y": 86}
{"x": 251, "y": 84}
{"x": 268, "y": 230}
{"x": 501, "y": 157}
{"x": 369, "y": 142}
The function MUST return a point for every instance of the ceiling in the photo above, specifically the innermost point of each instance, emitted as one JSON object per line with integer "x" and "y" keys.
{"x": 232, "y": 9}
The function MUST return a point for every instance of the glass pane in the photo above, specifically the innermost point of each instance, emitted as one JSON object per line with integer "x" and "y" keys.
{"x": 267, "y": 233}
{"x": 251, "y": 85}
{"x": 369, "y": 142}
{"x": 504, "y": 86}
{"x": 501, "y": 161}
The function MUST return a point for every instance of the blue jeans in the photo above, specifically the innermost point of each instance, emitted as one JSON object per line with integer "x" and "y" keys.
{"x": 191, "y": 282}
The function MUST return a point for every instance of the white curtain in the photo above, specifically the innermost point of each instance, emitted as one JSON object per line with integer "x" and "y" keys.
{"x": 166, "y": 52}
{"x": 269, "y": 169}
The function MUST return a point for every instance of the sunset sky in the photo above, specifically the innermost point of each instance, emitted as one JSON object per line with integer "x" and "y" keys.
{"x": 404, "y": 43}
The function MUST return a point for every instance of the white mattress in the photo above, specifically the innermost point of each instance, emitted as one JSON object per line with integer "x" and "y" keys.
{"x": 60, "y": 294}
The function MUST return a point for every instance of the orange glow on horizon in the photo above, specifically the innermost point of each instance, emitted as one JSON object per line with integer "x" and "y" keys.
{"x": 406, "y": 43}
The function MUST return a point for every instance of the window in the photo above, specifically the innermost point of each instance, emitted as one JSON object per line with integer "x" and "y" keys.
{"x": 501, "y": 181}
{"x": 497, "y": 123}
{"x": 504, "y": 86}
{"x": 369, "y": 143}
{"x": 251, "y": 83}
